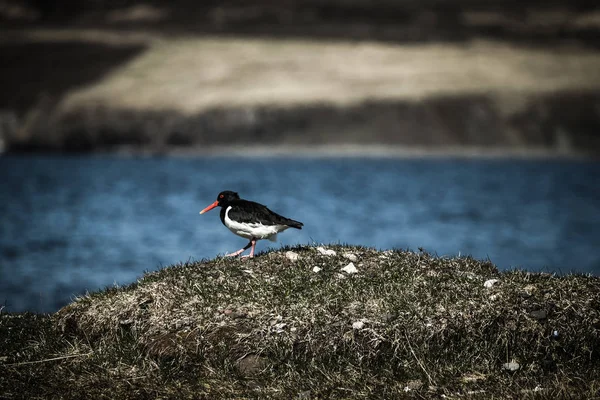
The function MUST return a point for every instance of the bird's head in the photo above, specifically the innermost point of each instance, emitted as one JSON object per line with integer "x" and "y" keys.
{"x": 223, "y": 199}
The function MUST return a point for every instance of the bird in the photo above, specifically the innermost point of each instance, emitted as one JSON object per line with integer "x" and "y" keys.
{"x": 250, "y": 220}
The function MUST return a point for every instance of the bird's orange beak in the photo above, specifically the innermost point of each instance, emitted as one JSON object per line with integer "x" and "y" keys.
{"x": 213, "y": 205}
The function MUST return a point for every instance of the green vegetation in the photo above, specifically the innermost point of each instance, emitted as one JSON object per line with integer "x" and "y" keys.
{"x": 405, "y": 324}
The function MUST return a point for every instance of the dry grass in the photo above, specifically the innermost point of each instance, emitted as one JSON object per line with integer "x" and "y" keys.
{"x": 179, "y": 75}
{"x": 406, "y": 325}
{"x": 183, "y": 91}
{"x": 193, "y": 75}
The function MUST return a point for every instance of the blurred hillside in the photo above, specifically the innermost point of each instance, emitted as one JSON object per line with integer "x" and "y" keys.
{"x": 93, "y": 75}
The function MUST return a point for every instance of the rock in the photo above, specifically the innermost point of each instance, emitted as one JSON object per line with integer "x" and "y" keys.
{"x": 528, "y": 291}
{"x": 316, "y": 269}
{"x": 474, "y": 377}
{"x": 538, "y": 314}
{"x": 252, "y": 364}
{"x": 350, "y": 256}
{"x": 511, "y": 366}
{"x": 414, "y": 385}
{"x": 290, "y": 255}
{"x": 490, "y": 282}
{"x": 358, "y": 325}
{"x": 326, "y": 252}
{"x": 350, "y": 269}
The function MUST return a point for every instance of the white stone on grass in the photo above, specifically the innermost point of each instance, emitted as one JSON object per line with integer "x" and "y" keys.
{"x": 326, "y": 252}
{"x": 350, "y": 269}
{"x": 511, "y": 366}
{"x": 358, "y": 325}
{"x": 290, "y": 255}
{"x": 350, "y": 256}
{"x": 316, "y": 269}
{"x": 489, "y": 283}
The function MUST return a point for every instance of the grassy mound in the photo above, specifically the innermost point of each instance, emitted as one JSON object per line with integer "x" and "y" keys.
{"x": 403, "y": 324}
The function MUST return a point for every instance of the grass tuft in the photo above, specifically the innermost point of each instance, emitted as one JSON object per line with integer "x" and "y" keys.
{"x": 406, "y": 325}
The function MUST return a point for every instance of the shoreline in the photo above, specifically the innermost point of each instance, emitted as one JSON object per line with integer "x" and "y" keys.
{"x": 371, "y": 151}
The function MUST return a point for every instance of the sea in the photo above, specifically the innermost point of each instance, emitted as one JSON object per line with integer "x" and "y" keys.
{"x": 74, "y": 224}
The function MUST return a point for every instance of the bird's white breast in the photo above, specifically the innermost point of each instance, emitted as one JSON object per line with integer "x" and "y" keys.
{"x": 251, "y": 230}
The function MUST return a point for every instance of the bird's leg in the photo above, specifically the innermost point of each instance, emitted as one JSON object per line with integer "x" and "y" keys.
{"x": 253, "y": 243}
{"x": 240, "y": 251}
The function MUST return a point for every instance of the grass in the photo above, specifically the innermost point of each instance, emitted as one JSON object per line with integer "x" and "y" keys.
{"x": 406, "y": 325}
{"x": 193, "y": 75}
{"x": 162, "y": 90}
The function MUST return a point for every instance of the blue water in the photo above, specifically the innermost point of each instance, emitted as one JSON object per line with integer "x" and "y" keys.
{"x": 74, "y": 224}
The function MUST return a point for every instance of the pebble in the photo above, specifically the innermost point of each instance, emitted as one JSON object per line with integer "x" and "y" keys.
{"x": 415, "y": 384}
{"x": 528, "y": 291}
{"x": 538, "y": 314}
{"x": 326, "y": 252}
{"x": 358, "y": 325}
{"x": 511, "y": 366}
{"x": 290, "y": 255}
{"x": 316, "y": 269}
{"x": 350, "y": 269}
{"x": 489, "y": 283}
{"x": 350, "y": 256}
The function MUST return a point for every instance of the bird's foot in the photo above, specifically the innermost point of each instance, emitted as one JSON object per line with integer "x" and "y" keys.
{"x": 248, "y": 256}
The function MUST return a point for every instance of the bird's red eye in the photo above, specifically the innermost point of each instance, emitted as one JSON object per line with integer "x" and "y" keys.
{"x": 221, "y": 196}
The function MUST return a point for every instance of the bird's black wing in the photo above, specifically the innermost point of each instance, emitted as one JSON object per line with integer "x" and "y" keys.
{"x": 249, "y": 211}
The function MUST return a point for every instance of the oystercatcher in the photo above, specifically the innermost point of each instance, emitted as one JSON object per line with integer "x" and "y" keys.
{"x": 250, "y": 220}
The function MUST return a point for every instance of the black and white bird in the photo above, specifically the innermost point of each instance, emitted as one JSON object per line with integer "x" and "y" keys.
{"x": 250, "y": 220}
